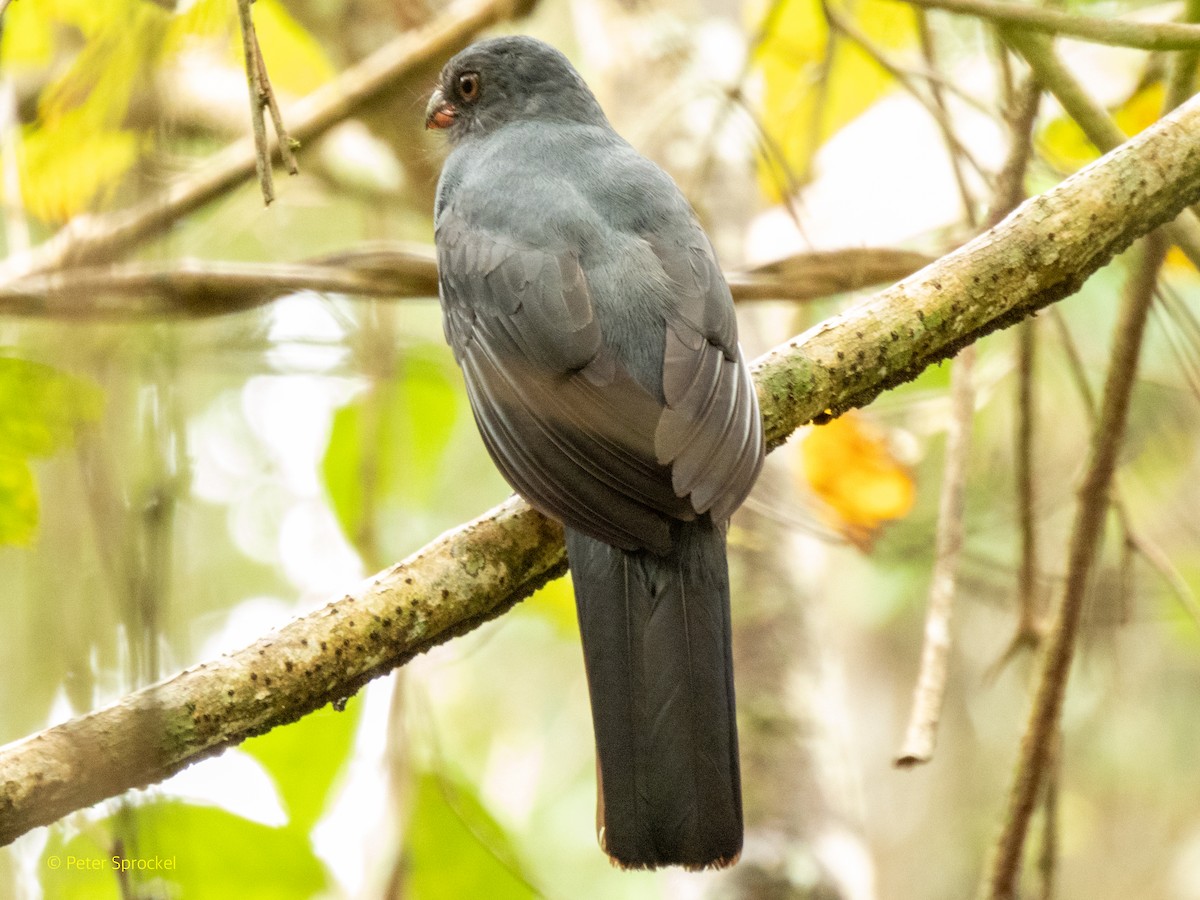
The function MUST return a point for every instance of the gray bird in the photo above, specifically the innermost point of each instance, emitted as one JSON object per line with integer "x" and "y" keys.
{"x": 598, "y": 343}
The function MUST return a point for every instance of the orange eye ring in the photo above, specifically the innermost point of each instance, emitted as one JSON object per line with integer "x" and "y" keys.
{"x": 468, "y": 86}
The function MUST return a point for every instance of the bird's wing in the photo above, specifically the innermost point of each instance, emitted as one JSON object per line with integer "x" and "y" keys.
{"x": 568, "y": 427}
{"x": 711, "y": 431}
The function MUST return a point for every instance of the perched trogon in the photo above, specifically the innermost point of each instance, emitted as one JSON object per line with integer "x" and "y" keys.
{"x": 597, "y": 339}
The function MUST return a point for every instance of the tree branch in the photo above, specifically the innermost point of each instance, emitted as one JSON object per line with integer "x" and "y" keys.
{"x": 194, "y": 288}
{"x": 1055, "y": 664}
{"x": 461, "y": 580}
{"x": 1039, "y": 254}
{"x": 1115, "y": 32}
{"x": 1092, "y": 118}
{"x": 920, "y": 737}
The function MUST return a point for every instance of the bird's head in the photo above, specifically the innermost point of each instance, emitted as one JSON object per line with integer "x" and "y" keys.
{"x": 507, "y": 79}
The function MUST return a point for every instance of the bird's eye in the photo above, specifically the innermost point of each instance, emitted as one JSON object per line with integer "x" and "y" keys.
{"x": 468, "y": 86}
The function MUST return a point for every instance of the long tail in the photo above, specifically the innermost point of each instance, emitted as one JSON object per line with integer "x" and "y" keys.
{"x": 656, "y": 644}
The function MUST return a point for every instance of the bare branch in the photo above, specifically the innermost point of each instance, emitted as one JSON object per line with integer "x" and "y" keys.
{"x": 463, "y": 579}
{"x": 287, "y": 144}
{"x": 194, "y": 288}
{"x": 929, "y": 53}
{"x": 1027, "y": 633}
{"x": 845, "y": 25}
{"x": 258, "y": 98}
{"x": 1116, "y": 32}
{"x": 921, "y": 735}
{"x": 1150, "y": 551}
{"x": 1004, "y": 872}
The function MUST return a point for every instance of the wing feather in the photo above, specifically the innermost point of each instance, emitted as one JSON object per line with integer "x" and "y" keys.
{"x": 571, "y": 429}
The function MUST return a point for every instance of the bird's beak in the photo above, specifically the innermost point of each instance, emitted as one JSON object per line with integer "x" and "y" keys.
{"x": 440, "y": 113}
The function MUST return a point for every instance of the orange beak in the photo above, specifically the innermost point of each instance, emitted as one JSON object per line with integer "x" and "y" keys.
{"x": 440, "y": 113}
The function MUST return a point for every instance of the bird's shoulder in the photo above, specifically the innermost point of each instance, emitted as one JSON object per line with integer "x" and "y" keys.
{"x": 565, "y": 181}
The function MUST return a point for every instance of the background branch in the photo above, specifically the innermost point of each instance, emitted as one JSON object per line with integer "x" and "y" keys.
{"x": 1116, "y": 32}
{"x": 90, "y": 239}
{"x": 920, "y": 737}
{"x": 1039, "y": 254}
{"x": 1055, "y": 664}
{"x": 195, "y": 288}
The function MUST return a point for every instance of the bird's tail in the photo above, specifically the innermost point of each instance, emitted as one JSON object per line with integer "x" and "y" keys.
{"x": 656, "y": 644}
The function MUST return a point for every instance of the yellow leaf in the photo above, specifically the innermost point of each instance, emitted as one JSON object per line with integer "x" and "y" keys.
{"x": 555, "y": 602}
{"x": 1178, "y": 262}
{"x": 1067, "y": 147}
{"x": 28, "y": 39}
{"x": 1141, "y": 110}
{"x": 70, "y": 166}
{"x": 862, "y": 486}
{"x": 205, "y": 17}
{"x": 802, "y": 106}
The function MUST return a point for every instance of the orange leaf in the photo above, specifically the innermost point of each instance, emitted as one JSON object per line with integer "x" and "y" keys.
{"x": 850, "y": 467}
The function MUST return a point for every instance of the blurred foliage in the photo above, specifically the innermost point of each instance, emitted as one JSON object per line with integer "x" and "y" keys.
{"x": 81, "y": 146}
{"x": 387, "y": 444}
{"x": 483, "y": 863}
{"x": 848, "y": 465}
{"x": 305, "y": 759}
{"x": 212, "y": 853}
{"x": 41, "y": 412}
{"x": 815, "y": 82}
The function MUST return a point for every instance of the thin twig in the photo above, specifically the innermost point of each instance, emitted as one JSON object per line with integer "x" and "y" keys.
{"x": 287, "y": 145}
{"x": 1004, "y": 871}
{"x": 258, "y": 99}
{"x": 840, "y": 23}
{"x": 929, "y": 52}
{"x": 1010, "y": 190}
{"x": 921, "y": 735}
{"x": 1048, "y": 853}
{"x": 1150, "y": 551}
{"x": 1020, "y": 116}
{"x": 1027, "y": 601}
{"x": 1115, "y": 32}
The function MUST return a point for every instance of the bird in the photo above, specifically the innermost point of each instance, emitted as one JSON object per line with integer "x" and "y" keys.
{"x": 597, "y": 339}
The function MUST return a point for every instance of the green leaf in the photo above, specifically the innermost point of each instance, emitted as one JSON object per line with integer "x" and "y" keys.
{"x": 18, "y": 501}
{"x": 457, "y": 849}
{"x": 210, "y": 852}
{"x": 41, "y": 410}
{"x": 305, "y": 758}
{"x": 385, "y": 447}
